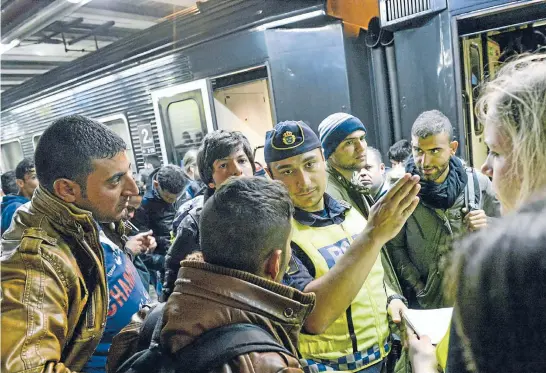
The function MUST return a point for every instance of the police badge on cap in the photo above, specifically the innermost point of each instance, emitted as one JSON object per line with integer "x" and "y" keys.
{"x": 289, "y": 139}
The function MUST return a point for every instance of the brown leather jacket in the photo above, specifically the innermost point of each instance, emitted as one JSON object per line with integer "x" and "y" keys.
{"x": 207, "y": 297}
{"x": 54, "y": 291}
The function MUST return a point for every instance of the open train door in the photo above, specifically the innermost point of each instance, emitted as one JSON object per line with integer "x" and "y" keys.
{"x": 243, "y": 102}
{"x": 183, "y": 115}
{"x": 474, "y": 75}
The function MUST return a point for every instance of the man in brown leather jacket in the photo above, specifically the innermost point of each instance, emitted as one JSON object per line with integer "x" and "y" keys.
{"x": 245, "y": 241}
{"x": 54, "y": 290}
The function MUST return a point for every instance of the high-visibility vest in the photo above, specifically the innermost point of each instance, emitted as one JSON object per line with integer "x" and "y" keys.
{"x": 359, "y": 336}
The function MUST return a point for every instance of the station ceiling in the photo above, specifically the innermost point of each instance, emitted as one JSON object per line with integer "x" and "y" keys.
{"x": 39, "y": 35}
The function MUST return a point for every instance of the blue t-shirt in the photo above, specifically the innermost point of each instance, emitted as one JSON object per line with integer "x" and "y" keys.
{"x": 126, "y": 295}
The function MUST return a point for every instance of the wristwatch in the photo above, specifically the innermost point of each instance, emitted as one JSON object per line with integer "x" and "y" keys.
{"x": 397, "y": 296}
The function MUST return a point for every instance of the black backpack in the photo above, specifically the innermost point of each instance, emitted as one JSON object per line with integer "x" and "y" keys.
{"x": 211, "y": 350}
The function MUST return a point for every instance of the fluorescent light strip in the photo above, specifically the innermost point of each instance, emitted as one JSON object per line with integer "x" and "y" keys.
{"x": 286, "y": 21}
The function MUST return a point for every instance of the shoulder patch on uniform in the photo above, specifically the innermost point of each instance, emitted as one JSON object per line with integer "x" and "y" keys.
{"x": 345, "y": 204}
{"x": 293, "y": 267}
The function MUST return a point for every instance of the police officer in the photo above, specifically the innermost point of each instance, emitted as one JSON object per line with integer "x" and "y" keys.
{"x": 335, "y": 256}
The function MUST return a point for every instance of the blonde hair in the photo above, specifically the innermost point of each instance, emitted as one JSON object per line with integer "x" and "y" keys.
{"x": 515, "y": 104}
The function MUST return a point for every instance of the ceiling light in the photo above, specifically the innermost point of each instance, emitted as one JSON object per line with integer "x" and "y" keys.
{"x": 286, "y": 21}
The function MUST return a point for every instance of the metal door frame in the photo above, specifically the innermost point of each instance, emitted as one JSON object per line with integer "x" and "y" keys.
{"x": 203, "y": 85}
{"x": 458, "y": 58}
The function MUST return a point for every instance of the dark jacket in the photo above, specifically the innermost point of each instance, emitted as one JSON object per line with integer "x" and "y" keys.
{"x": 157, "y": 215}
{"x": 10, "y": 203}
{"x": 192, "y": 189}
{"x": 185, "y": 243}
{"x": 54, "y": 292}
{"x": 183, "y": 209}
{"x": 208, "y": 297}
{"x": 421, "y": 249}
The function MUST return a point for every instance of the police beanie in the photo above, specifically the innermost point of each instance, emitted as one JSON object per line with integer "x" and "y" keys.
{"x": 289, "y": 139}
{"x": 335, "y": 128}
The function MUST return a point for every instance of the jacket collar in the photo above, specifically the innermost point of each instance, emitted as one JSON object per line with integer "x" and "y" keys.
{"x": 335, "y": 213}
{"x": 347, "y": 184}
{"x": 62, "y": 214}
{"x": 281, "y": 296}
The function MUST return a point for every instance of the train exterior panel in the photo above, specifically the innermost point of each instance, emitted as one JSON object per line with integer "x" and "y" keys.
{"x": 306, "y": 70}
{"x": 305, "y": 62}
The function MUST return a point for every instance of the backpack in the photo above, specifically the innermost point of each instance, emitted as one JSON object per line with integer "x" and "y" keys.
{"x": 209, "y": 351}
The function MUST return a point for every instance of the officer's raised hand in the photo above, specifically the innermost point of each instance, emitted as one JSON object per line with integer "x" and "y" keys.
{"x": 389, "y": 214}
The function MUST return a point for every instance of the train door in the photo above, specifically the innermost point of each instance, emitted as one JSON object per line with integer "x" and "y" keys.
{"x": 183, "y": 115}
{"x": 242, "y": 102}
{"x": 488, "y": 38}
{"x": 473, "y": 65}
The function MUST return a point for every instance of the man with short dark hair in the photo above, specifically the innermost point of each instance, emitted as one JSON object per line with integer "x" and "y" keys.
{"x": 222, "y": 154}
{"x": 157, "y": 213}
{"x": 239, "y": 280}
{"x": 27, "y": 182}
{"x": 336, "y": 256}
{"x": 372, "y": 176}
{"x": 55, "y": 298}
{"x": 399, "y": 153}
{"x": 454, "y": 200}
{"x": 9, "y": 185}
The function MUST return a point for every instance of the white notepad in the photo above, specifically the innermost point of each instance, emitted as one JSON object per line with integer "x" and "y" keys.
{"x": 432, "y": 323}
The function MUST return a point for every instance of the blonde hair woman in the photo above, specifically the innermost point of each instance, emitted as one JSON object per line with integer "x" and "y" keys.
{"x": 513, "y": 109}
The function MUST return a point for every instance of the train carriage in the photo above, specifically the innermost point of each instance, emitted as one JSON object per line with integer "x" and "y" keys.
{"x": 248, "y": 64}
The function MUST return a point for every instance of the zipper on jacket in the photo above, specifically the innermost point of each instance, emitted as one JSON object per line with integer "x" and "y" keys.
{"x": 91, "y": 312}
{"x": 351, "y": 327}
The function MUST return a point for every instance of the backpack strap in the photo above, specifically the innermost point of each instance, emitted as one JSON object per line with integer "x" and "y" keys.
{"x": 472, "y": 191}
{"x": 149, "y": 326}
{"x": 221, "y": 345}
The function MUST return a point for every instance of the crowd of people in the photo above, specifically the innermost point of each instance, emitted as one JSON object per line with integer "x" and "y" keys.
{"x": 309, "y": 266}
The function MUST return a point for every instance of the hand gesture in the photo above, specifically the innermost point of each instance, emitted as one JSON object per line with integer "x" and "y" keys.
{"x": 141, "y": 243}
{"x": 389, "y": 214}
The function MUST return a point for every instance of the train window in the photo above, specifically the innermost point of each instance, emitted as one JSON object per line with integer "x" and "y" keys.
{"x": 475, "y": 67}
{"x": 476, "y": 77}
{"x": 185, "y": 125}
{"x": 119, "y": 124}
{"x": 35, "y": 140}
{"x": 12, "y": 154}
